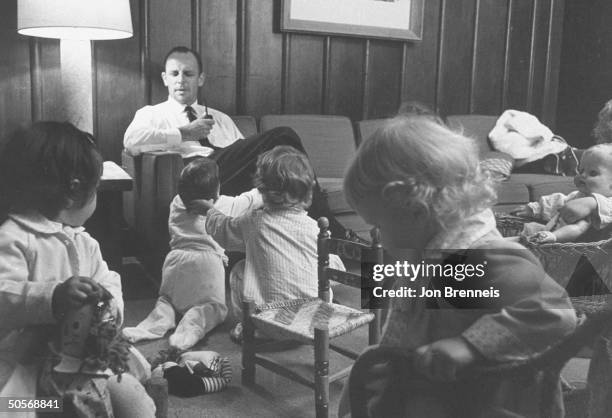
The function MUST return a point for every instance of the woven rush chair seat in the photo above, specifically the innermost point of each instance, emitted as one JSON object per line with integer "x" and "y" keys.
{"x": 560, "y": 259}
{"x": 314, "y": 320}
{"x": 297, "y": 319}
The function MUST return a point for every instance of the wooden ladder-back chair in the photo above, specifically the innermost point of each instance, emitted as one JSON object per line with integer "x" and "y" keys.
{"x": 314, "y": 321}
{"x": 594, "y": 312}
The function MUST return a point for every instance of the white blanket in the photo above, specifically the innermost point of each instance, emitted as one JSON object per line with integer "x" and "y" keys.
{"x": 524, "y": 137}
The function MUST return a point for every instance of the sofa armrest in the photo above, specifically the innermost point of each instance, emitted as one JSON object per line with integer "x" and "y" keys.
{"x": 159, "y": 180}
{"x": 132, "y": 165}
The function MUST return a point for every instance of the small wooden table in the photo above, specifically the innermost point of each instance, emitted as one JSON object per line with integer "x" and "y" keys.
{"x": 106, "y": 223}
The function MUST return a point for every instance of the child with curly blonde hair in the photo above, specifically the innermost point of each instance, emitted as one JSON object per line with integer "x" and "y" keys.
{"x": 421, "y": 184}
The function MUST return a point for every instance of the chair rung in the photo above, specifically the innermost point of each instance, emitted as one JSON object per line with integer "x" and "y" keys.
{"x": 344, "y": 277}
{"x": 344, "y": 351}
{"x": 275, "y": 367}
{"x": 347, "y": 249}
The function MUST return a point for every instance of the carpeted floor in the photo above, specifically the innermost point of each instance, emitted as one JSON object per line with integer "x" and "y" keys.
{"x": 272, "y": 396}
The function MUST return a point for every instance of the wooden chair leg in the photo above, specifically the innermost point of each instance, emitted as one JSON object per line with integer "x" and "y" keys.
{"x": 248, "y": 344}
{"x": 321, "y": 357}
{"x": 374, "y": 328}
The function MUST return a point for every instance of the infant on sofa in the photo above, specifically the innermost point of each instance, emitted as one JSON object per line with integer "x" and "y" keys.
{"x": 594, "y": 180}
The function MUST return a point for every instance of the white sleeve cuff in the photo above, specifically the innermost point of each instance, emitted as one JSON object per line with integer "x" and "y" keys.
{"x": 38, "y": 302}
{"x": 174, "y": 137}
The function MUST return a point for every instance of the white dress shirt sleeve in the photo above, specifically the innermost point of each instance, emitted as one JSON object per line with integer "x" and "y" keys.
{"x": 146, "y": 133}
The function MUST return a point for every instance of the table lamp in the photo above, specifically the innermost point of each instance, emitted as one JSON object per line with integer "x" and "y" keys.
{"x": 76, "y": 23}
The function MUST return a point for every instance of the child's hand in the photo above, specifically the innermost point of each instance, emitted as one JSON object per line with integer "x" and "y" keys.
{"x": 578, "y": 209}
{"x": 542, "y": 237}
{"x": 74, "y": 293}
{"x": 523, "y": 210}
{"x": 200, "y": 206}
{"x": 442, "y": 359}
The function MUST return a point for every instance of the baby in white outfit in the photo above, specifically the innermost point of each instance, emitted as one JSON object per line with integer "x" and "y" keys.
{"x": 193, "y": 276}
{"x": 594, "y": 179}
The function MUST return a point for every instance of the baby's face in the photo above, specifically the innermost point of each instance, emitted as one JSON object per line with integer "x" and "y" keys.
{"x": 595, "y": 174}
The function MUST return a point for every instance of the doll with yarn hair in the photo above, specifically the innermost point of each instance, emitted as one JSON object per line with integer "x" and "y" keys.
{"x": 89, "y": 365}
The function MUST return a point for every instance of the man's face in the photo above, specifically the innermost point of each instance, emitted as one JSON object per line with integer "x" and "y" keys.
{"x": 183, "y": 77}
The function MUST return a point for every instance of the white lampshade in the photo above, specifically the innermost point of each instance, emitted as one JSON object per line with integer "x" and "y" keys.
{"x": 75, "y": 19}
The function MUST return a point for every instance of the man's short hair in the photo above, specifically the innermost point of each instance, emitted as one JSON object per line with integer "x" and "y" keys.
{"x": 199, "y": 180}
{"x": 184, "y": 50}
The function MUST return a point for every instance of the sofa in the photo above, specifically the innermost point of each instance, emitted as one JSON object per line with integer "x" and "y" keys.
{"x": 331, "y": 142}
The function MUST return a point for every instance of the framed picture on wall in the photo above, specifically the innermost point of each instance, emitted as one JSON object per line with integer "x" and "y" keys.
{"x": 390, "y": 19}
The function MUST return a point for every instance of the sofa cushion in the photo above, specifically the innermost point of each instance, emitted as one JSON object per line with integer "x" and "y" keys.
{"x": 332, "y": 187}
{"x": 247, "y": 125}
{"x": 365, "y": 128}
{"x": 512, "y": 192}
{"x": 474, "y": 126}
{"x": 541, "y": 189}
{"x": 329, "y": 140}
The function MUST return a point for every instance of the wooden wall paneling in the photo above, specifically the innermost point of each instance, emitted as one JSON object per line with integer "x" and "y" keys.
{"x": 50, "y": 78}
{"x": 518, "y": 54}
{"x": 553, "y": 61}
{"x": 383, "y": 90}
{"x": 117, "y": 84}
{"x": 421, "y": 60}
{"x": 326, "y": 75}
{"x": 305, "y": 74}
{"x": 15, "y": 76}
{"x": 456, "y": 49}
{"x": 577, "y": 61}
{"x": 218, "y": 40}
{"x": 488, "y": 62}
{"x": 35, "y": 80}
{"x": 539, "y": 46}
{"x": 263, "y": 66}
{"x": 170, "y": 26}
{"x": 345, "y": 77}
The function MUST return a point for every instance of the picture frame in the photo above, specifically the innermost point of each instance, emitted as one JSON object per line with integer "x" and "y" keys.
{"x": 387, "y": 19}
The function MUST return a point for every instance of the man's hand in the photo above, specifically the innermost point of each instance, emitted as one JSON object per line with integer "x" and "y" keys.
{"x": 74, "y": 293}
{"x": 523, "y": 210}
{"x": 196, "y": 130}
{"x": 442, "y": 359}
{"x": 577, "y": 209}
{"x": 200, "y": 206}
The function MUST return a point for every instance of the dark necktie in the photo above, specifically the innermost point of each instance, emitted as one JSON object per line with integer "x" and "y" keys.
{"x": 191, "y": 115}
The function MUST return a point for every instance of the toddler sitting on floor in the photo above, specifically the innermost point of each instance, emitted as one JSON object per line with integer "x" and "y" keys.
{"x": 193, "y": 276}
{"x": 594, "y": 179}
{"x": 280, "y": 239}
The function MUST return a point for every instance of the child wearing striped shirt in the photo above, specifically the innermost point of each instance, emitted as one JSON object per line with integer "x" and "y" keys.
{"x": 280, "y": 239}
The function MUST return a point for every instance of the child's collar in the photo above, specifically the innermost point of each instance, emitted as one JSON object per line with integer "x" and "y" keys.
{"x": 40, "y": 224}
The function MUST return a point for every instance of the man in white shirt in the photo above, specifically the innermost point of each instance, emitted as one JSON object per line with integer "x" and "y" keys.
{"x": 183, "y": 125}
